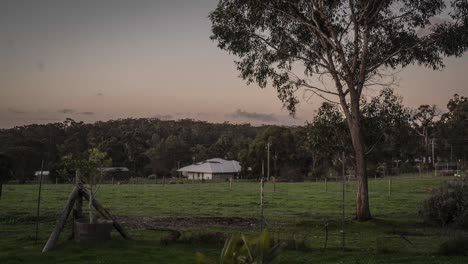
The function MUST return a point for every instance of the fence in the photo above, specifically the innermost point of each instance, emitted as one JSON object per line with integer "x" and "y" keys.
{"x": 306, "y": 214}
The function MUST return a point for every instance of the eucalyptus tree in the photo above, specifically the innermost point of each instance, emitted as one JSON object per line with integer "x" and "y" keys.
{"x": 452, "y": 129}
{"x": 335, "y": 49}
{"x": 424, "y": 121}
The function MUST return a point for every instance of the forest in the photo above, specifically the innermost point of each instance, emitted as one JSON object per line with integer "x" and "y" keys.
{"x": 397, "y": 138}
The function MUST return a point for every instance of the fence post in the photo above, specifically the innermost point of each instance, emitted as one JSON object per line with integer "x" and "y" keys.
{"x": 389, "y": 187}
{"x": 343, "y": 241}
{"x": 262, "y": 202}
{"x": 39, "y": 201}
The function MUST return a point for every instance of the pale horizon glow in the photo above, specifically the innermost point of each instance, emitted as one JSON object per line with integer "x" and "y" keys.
{"x": 100, "y": 60}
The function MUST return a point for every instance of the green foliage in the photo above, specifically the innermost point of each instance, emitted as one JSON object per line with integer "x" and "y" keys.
{"x": 6, "y": 168}
{"x": 387, "y": 132}
{"x": 346, "y": 42}
{"x": 448, "y": 205}
{"x": 335, "y": 50}
{"x": 89, "y": 171}
{"x": 457, "y": 245}
{"x": 289, "y": 159}
{"x": 453, "y": 127}
{"x": 240, "y": 250}
{"x": 151, "y": 146}
{"x": 89, "y": 168}
{"x": 327, "y": 138}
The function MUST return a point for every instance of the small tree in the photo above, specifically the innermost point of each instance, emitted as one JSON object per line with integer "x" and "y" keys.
{"x": 240, "y": 250}
{"x": 89, "y": 170}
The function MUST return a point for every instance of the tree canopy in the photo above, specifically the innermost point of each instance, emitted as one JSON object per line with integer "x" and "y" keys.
{"x": 336, "y": 49}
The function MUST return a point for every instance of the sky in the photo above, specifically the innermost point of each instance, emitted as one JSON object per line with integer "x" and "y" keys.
{"x": 106, "y": 59}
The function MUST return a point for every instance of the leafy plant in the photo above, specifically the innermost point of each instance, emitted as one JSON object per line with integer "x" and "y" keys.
{"x": 240, "y": 250}
{"x": 457, "y": 245}
{"x": 448, "y": 205}
{"x": 89, "y": 171}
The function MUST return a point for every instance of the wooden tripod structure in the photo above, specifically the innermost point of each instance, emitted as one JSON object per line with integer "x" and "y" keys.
{"x": 75, "y": 203}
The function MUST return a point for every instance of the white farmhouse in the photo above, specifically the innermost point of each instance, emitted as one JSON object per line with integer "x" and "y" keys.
{"x": 212, "y": 169}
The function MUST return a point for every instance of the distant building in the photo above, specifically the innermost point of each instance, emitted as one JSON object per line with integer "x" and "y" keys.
{"x": 212, "y": 169}
{"x": 44, "y": 173}
{"x": 116, "y": 174}
{"x": 45, "y": 176}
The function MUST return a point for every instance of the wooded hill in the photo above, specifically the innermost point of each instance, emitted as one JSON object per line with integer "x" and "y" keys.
{"x": 397, "y": 138}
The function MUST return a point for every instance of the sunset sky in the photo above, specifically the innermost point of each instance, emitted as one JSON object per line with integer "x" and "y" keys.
{"x": 98, "y": 60}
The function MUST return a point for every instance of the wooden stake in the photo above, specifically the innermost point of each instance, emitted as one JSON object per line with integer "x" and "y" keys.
{"x": 39, "y": 200}
{"x": 54, "y": 236}
{"x": 107, "y": 215}
{"x": 389, "y": 187}
{"x": 326, "y": 236}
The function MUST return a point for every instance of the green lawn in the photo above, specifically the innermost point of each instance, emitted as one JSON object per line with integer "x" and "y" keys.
{"x": 295, "y": 212}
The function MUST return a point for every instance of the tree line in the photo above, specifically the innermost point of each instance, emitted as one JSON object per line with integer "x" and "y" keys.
{"x": 397, "y": 139}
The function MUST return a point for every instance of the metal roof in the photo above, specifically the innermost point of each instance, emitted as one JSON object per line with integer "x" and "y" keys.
{"x": 213, "y": 166}
{"x": 114, "y": 169}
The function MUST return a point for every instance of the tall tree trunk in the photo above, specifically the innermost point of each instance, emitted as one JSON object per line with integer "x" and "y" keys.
{"x": 362, "y": 194}
{"x": 353, "y": 118}
{"x": 1, "y": 188}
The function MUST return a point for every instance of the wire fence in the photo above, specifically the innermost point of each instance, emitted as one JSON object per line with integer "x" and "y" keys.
{"x": 306, "y": 214}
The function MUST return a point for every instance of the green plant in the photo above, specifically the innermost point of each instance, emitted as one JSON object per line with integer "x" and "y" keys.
{"x": 448, "y": 205}
{"x": 457, "y": 245}
{"x": 240, "y": 250}
{"x": 89, "y": 171}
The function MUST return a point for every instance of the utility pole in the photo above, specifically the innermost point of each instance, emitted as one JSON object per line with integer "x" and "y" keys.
{"x": 451, "y": 152}
{"x": 263, "y": 168}
{"x": 262, "y": 203}
{"x": 433, "y": 157}
{"x": 268, "y": 161}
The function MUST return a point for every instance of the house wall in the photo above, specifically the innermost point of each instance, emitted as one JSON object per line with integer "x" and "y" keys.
{"x": 208, "y": 176}
{"x": 199, "y": 176}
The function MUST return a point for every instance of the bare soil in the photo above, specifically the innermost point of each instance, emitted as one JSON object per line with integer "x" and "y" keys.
{"x": 185, "y": 222}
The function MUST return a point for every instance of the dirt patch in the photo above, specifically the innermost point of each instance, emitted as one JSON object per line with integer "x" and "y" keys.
{"x": 184, "y": 223}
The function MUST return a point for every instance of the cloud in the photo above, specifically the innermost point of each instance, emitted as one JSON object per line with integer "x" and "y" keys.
{"x": 40, "y": 65}
{"x": 16, "y": 111}
{"x": 163, "y": 117}
{"x": 67, "y": 111}
{"x": 11, "y": 43}
{"x": 254, "y": 116}
{"x": 87, "y": 113}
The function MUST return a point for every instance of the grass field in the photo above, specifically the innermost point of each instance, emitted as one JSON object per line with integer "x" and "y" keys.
{"x": 295, "y": 212}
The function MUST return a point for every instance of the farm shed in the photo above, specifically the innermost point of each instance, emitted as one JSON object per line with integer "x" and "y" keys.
{"x": 117, "y": 174}
{"x": 45, "y": 176}
{"x": 212, "y": 169}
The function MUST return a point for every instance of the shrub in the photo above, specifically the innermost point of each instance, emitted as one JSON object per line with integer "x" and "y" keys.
{"x": 448, "y": 205}
{"x": 457, "y": 245}
{"x": 240, "y": 250}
